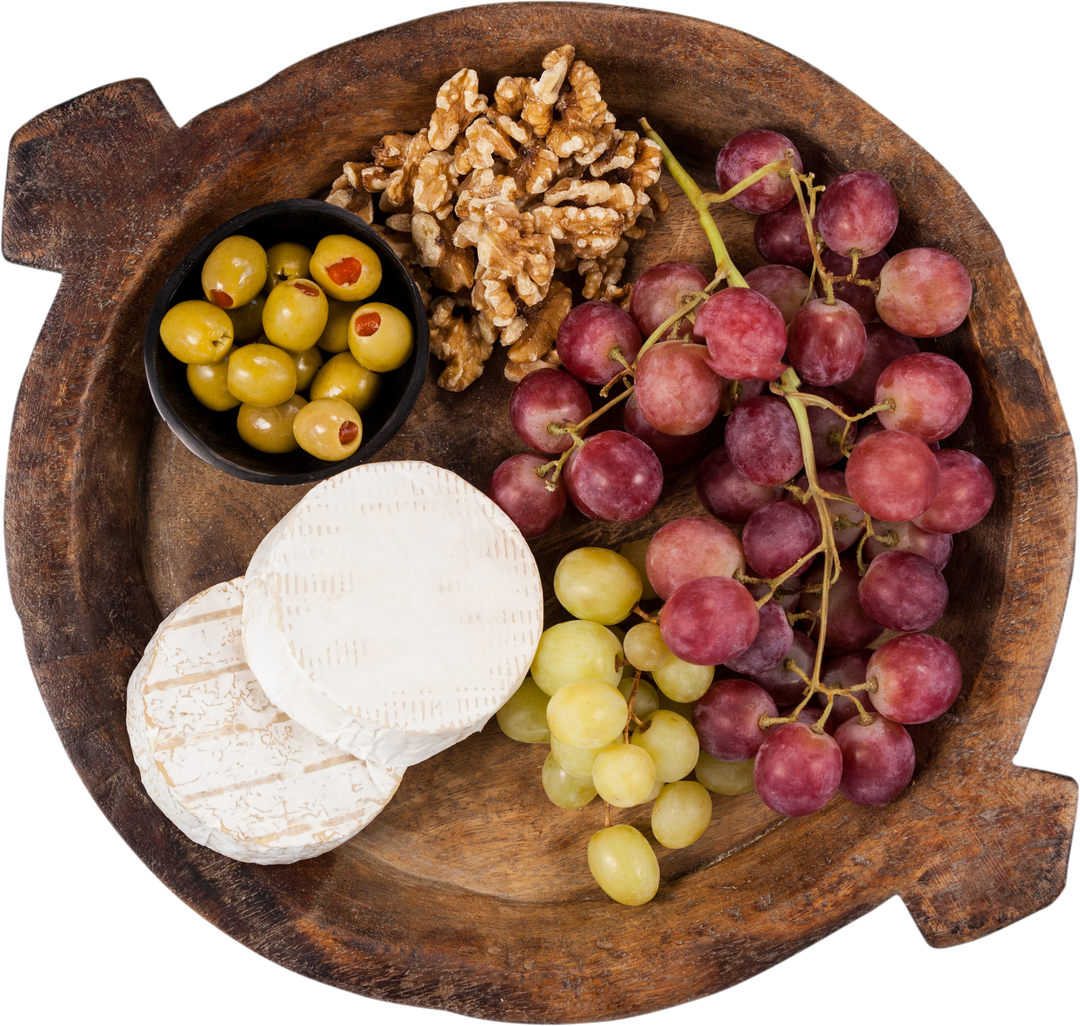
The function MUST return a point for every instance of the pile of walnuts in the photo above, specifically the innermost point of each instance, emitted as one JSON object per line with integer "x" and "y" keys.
{"x": 489, "y": 201}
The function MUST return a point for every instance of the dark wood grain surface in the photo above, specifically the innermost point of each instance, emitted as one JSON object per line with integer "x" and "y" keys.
{"x": 90, "y": 904}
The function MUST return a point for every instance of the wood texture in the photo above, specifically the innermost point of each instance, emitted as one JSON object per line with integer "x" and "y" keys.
{"x": 470, "y": 892}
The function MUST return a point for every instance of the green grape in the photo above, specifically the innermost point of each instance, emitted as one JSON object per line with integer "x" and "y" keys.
{"x": 341, "y": 377}
{"x": 635, "y": 552}
{"x": 597, "y": 584}
{"x": 671, "y": 741}
{"x": 196, "y": 331}
{"x": 564, "y": 790}
{"x": 524, "y": 716}
{"x": 578, "y": 762}
{"x": 234, "y": 272}
{"x": 346, "y": 268}
{"x": 644, "y": 647}
{"x": 681, "y": 813}
{"x": 329, "y": 429}
{"x": 209, "y": 384}
{"x": 261, "y": 374}
{"x": 295, "y": 314}
{"x": 573, "y": 651}
{"x": 587, "y": 713}
{"x": 725, "y": 777}
{"x": 624, "y": 775}
{"x": 683, "y": 682}
{"x": 270, "y": 428}
{"x": 623, "y": 863}
{"x": 381, "y": 337}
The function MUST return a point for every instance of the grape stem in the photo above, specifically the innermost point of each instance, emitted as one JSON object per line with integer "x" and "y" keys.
{"x": 788, "y": 384}
{"x": 701, "y": 206}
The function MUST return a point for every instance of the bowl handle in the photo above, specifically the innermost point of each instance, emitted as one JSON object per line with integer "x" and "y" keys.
{"x": 78, "y": 172}
{"x": 997, "y": 860}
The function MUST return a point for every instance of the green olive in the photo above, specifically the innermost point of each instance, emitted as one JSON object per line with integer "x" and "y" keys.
{"x": 329, "y": 429}
{"x": 247, "y": 319}
{"x": 380, "y": 337}
{"x": 261, "y": 375}
{"x": 307, "y": 366}
{"x": 196, "y": 331}
{"x": 208, "y": 383}
{"x": 335, "y": 336}
{"x": 234, "y": 272}
{"x": 346, "y": 268}
{"x": 287, "y": 260}
{"x": 270, "y": 428}
{"x": 295, "y": 314}
{"x": 342, "y": 377}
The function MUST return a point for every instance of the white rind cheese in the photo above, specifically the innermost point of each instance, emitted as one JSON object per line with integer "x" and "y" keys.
{"x": 393, "y": 611}
{"x": 228, "y": 768}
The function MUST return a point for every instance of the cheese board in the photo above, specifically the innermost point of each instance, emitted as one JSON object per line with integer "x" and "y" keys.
{"x": 473, "y": 999}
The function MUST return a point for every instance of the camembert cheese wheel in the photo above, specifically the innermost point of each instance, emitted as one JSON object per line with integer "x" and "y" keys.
{"x": 392, "y": 611}
{"x": 228, "y": 768}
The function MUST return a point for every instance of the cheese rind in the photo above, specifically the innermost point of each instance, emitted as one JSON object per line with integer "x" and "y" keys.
{"x": 226, "y": 766}
{"x": 393, "y": 610}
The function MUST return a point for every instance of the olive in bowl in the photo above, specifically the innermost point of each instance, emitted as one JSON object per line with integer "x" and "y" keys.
{"x": 211, "y": 431}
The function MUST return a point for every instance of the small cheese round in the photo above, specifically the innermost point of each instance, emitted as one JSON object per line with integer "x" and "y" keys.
{"x": 227, "y": 767}
{"x": 393, "y": 610}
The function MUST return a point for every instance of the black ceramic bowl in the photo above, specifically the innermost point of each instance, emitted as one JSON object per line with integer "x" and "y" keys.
{"x": 213, "y": 436}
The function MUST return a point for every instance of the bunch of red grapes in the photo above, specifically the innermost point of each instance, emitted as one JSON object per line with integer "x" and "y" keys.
{"x": 831, "y": 482}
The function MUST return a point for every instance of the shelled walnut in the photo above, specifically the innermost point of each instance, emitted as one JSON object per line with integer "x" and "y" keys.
{"x": 502, "y": 200}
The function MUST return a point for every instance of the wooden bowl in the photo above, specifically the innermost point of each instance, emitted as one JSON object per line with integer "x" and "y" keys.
{"x": 470, "y": 893}
{"x": 212, "y": 436}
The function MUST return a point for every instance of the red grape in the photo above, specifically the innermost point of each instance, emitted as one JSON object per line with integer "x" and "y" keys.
{"x": 931, "y": 392}
{"x": 827, "y": 426}
{"x": 787, "y": 686}
{"x": 660, "y": 291}
{"x": 858, "y": 211}
{"x": 726, "y": 719}
{"x": 547, "y": 396}
{"x": 588, "y": 333}
{"x": 676, "y": 390}
{"x": 797, "y": 770}
{"x": 845, "y": 670}
{"x": 523, "y": 495}
{"x": 785, "y": 287}
{"x": 725, "y": 493}
{"x": 826, "y": 341}
{"x": 861, "y": 297}
{"x": 903, "y": 592}
{"x": 780, "y": 237}
{"x": 909, "y": 538}
{"x": 924, "y": 293}
{"x": 709, "y": 621}
{"x": 763, "y": 441}
{"x": 964, "y": 496}
{"x": 774, "y": 639}
{"x": 613, "y": 476}
{"x": 745, "y": 332}
{"x": 748, "y": 152}
{"x": 879, "y": 760}
{"x": 918, "y": 677}
{"x": 834, "y": 482}
{"x": 691, "y": 547}
{"x": 892, "y": 475}
{"x": 779, "y": 535}
{"x": 849, "y": 626}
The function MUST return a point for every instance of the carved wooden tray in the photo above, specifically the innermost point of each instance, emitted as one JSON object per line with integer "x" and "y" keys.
{"x": 471, "y": 893}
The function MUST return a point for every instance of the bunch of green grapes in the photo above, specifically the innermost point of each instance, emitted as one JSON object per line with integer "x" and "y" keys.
{"x": 614, "y": 732}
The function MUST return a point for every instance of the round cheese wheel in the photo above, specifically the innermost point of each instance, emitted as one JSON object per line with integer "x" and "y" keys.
{"x": 393, "y": 610}
{"x": 231, "y": 770}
